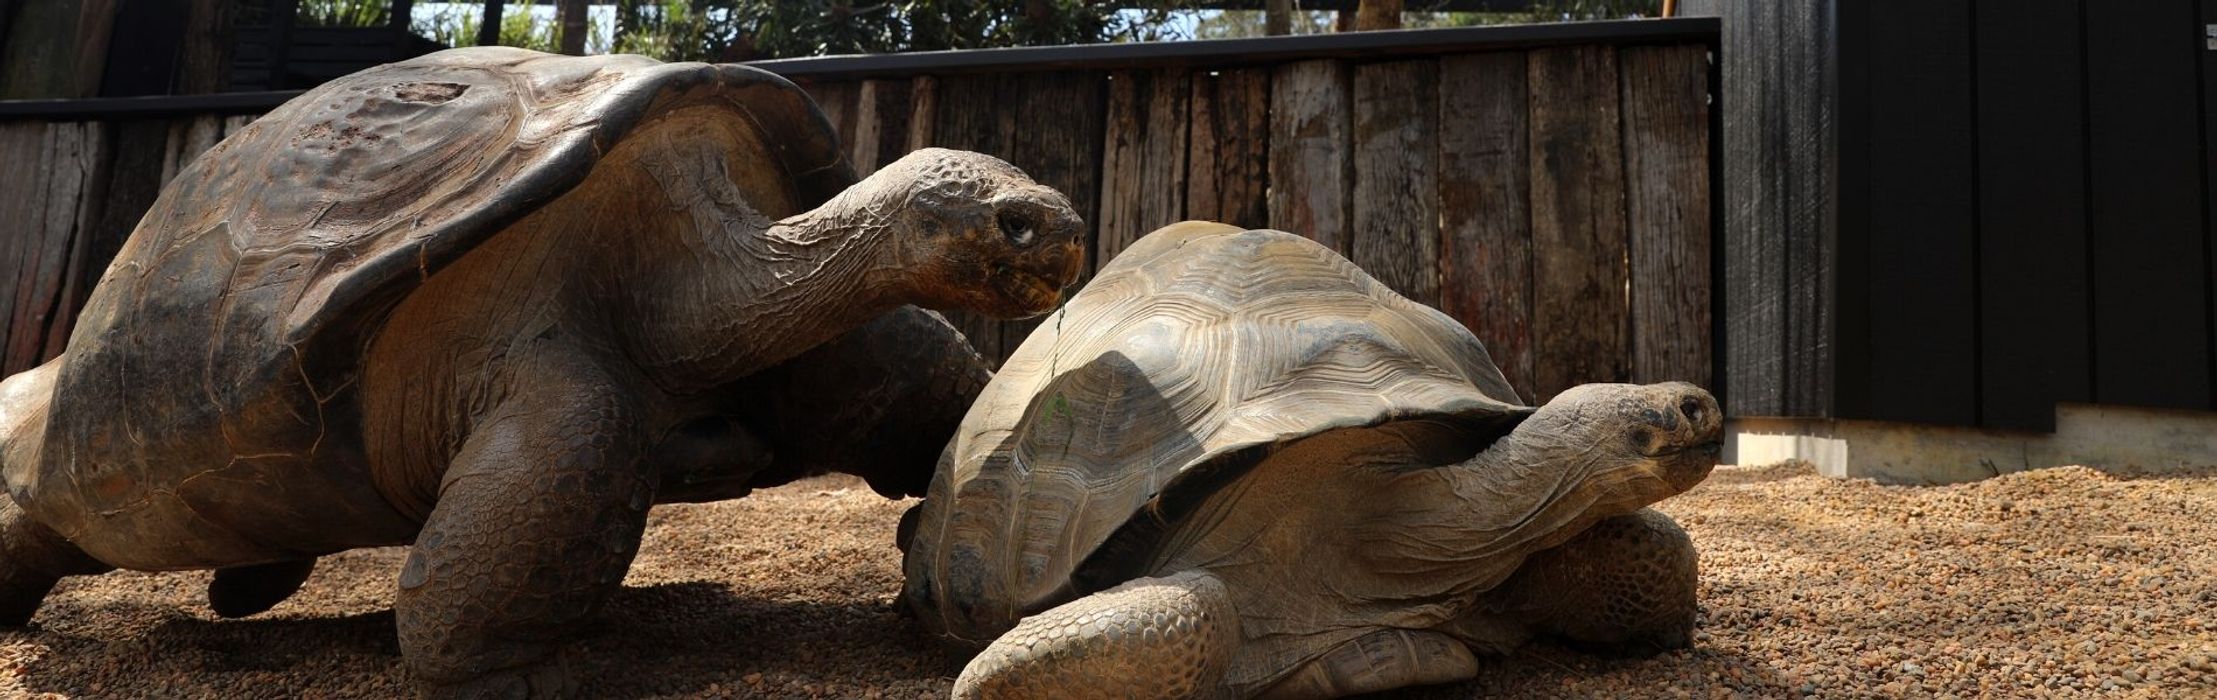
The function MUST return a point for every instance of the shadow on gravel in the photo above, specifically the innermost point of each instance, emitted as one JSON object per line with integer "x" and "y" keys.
{"x": 699, "y": 638}
{"x": 692, "y": 639}
{"x": 185, "y": 656}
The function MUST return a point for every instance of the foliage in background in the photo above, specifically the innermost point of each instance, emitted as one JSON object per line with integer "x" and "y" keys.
{"x": 343, "y": 13}
{"x": 730, "y": 30}
{"x": 456, "y": 24}
{"x": 739, "y": 30}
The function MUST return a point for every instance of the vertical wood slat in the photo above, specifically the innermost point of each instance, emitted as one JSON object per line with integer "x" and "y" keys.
{"x": 1666, "y": 155}
{"x": 1851, "y": 312}
{"x": 1311, "y": 174}
{"x": 1143, "y": 154}
{"x": 923, "y": 111}
{"x": 962, "y": 124}
{"x": 881, "y": 125}
{"x": 1485, "y": 212}
{"x": 2208, "y": 10}
{"x": 1396, "y": 164}
{"x": 2150, "y": 263}
{"x": 1580, "y": 314}
{"x": 134, "y": 180}
{"x": 84, "y": 162}
{"x": 188, "y": 138}
{"x": 1059, "y": 144}
{"x": 1228, "y": 169}
{"x": 22, "y": 194}
{"x": 1808, "y": 97}
{"x": 837, "y": 101}
{"x": 1923, "y": 322}
{"x": 1753, "y": 283}
{"x": 2033, "y": 333}
{"x": 57, "y": 207}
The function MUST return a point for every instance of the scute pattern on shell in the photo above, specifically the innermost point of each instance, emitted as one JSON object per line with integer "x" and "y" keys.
{"x": 226, "y": 336}
{"x": 1200, "y": 341}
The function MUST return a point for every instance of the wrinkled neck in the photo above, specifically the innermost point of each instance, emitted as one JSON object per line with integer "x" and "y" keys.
{"x": 1475, "y": 521}
{"x": 745, "y": 295}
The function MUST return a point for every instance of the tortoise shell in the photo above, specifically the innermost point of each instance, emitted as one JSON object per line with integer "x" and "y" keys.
{"x": 216, "y": 358}
{"x": 1193, "y": 355}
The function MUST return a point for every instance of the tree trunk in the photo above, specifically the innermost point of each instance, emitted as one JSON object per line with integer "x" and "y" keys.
{"x": 54, "y": 49}
{"x": 1378, "y": 14}
{"x": 1277, "y": 17}
{"x": 204, "y": 62}
{"x": 571, "y": 13}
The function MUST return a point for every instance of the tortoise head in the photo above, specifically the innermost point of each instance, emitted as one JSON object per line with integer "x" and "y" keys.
{"x": 969, "y": 231}
{"x": 1627, "y": 445}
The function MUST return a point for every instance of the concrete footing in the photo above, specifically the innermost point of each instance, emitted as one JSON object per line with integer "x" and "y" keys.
{"x": 2111, "y": 438}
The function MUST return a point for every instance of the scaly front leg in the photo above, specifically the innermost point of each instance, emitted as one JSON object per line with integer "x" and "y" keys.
{"x": 1149, "y": 639}
{"x": 537, "y": 519}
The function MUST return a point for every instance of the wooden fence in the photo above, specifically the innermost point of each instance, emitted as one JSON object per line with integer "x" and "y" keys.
{"x": 1547, "y": 186}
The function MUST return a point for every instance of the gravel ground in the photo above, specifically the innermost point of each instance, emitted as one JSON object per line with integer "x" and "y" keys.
{"x": 2053, "y": 582}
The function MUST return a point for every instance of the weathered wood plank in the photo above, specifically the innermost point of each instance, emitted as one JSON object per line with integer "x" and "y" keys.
{"x": 1485, "y": 212}
{"x": 188, "y": 138}
{"x": 1311, "y": 173}
{"x": 837, "y": 101}
{"x": 1578, "y": 231}
{"x": 70, "y": 155}
{"x": 923, "y": 111}
{"x": 1396, "y": 211}
{"x": 134, "y": 180}
{"x": 2033, "y": 333}
{"x": 881, "y": 125}
{"x": 1142, "y": 158}
{"x": 1666, "y": 170}
{"x": 2150, "y": 264}
{"x": 1751, "y": 189}
{"x": 232, "y": 124}
{"x": 1228, "y": 168}
{"x": 1058, "y": 143}
{"x": 1923, "y": 320}
{"x": 1808, "y": 92}
{"x": 23, "y": 189}
{"x": 83, "y": 160}
{"x": 962, "y": 123}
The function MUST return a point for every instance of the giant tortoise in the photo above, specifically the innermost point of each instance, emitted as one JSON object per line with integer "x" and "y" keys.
{"x": 494, "y": 304}
{"x": 1237, "y": 466}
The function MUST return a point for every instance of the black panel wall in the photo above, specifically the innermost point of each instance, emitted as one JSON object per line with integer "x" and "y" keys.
{"x": 2010, "y": 206}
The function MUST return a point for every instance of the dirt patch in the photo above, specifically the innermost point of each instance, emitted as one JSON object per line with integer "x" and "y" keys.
{"x": 2054, "y": 582}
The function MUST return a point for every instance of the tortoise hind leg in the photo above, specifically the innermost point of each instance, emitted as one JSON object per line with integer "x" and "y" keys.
{"x": 32, "y": 559}
{"x": 240, "y": 591}
{"x": 1151, "y": 638}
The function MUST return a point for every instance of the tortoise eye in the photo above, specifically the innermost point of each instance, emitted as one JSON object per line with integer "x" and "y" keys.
{"x": 1016, "y": 228}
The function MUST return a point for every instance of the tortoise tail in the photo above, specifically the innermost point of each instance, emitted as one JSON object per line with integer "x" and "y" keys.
{"x": 32, "y": 556}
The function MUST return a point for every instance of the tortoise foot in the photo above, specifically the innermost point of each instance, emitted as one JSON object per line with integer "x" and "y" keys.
{"x": 552, "y": 678}
{"x": 240, "y": 591}
{"x": 32, "y": 559}
{"x": 21, "y": 593}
